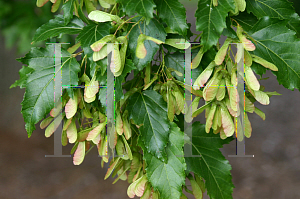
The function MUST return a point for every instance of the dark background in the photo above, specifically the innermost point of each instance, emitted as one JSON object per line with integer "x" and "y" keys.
{"x": 274, "y": 172}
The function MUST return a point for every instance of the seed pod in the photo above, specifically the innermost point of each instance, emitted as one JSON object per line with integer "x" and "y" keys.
{"x": 64, "y": 138}
{"x": 227, "y": 123}
{"x": 115, "y": 64}
{"x": 221, "y": 91}
{"x": 53, "y": 126}
{"x": 46, "y": 122}
{"x": 217, "y": 131}
{"x": 196, "y": 61}
{"x": 87, "y": 113}
{"x": 248, "y": 128}
{"x": 249, "y": 106}
{"x": 113, "y": 165}
{"x": 197, "y": 192}
{"x": 121, "y": 151}
{"x": 119, "y": 122}
{"x": 222, "y": 134}
{"x": 211, "y": 89}
{"x": 241, "y": 5}
{"x": 104, "y": 4}
{"x": 239, "y": 55}
{"x": 183, "y": 196}
{"x": 72, "y": 132}
{"x": 131, "y": 176}
{"x": 171, "y": 105}
{"x": 200, "y": 182}
{"x": 157, "y": 87}
{"x": 56, "y": 110}
{"x": 251, "y": 79}
{"x": 79, "y": 154}
{"x": 233, "y": 95}
{"x": 95, "y": 132}
{"x": 101, "y": 16}
{"x": 147, "y": 192}
{"x": 260, "y": 113}
{"x": 99, "y": 44}
{"x": 229, "y": 66}
{"x": 179, "y": 99}
{"x": 126, "y": 125}
{"x": 138, "y": 174}
{"x": 220, "y": 56}
{"x": 264, "y": 63}
{"x": 122, "y": 39}
{"x": 141, "y": 51}
{"x": 71, "y": 107}
{"x": 175, "y": 43}
{"x": 206, "y": 107}
{"x": 91, "y": 88}
{"x": 210, "y": 117}
{"x": 217, "y": 121}
{"x": 261, "y": 97}
{"x": 157, "y": 41}
{"x": 82, "y": 135}
{"x": 135, "y": 163}
{"x": 215, "y": 3}
{"x": 233, "y": 79}
{"x": 127, "y": 147}
{"x": 204, "y": 76}
{"x": 67, "y": 123}
{"x": 231, "y": 111}
{"x": 155, "y": 195}
{"x": 207, "y": 110}
{"x": 140, "y": 186}
{"x": 89, "y": 100}
{"x": 248, "y": 45}
{"x": 137, "y": 187}
{"x": 102, "y": 117}
{"x": 101, "y": 54}
{"x": 248, "y": 58}
{"x": 177, "y": 111}
{"x": 195, "y": 104}
{"x": 248, "y": 87}
{"x": 102, "y": 148}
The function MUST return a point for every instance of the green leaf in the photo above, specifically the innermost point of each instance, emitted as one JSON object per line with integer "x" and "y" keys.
{"x": 153, "y": 29}
{"x": 278, "y": 44}
{"x": 129, "y": 66}
{"x": 89, "y": 6}
{"x": 168, "y": 177}
{"x": 212, "y": 20}
{"x": 149, "y": 108}
{"x": 247, "y": 21}
{"x": 56, "y": 27}
{"x": 92, "y": 33}
{"x": 39, "y": 96}
{"x": 68, "y": 8}
{"x": 142, "y": 7}
{"x": 24, "y": 73}
{"x": 212, "y": 165}
{"x": 102, "y": 96}
{"x": 173, "y": 13}
{"x": 282, "y": 9}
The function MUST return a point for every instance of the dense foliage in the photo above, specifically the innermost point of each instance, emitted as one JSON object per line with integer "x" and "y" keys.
{"x": 149, "y": 135}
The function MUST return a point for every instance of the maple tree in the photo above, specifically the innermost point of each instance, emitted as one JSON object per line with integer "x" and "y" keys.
{"x": 149, "y": 135}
